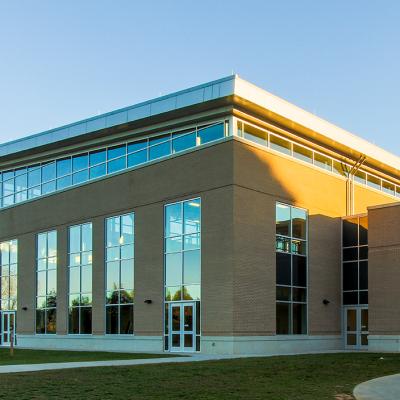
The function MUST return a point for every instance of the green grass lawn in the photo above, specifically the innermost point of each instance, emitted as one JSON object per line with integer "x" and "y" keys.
{"x": 24, "y": 356}
{"x": 308, "y": 377}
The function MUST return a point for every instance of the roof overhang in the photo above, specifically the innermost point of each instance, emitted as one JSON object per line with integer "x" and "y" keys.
{"x": 229, "y": 90}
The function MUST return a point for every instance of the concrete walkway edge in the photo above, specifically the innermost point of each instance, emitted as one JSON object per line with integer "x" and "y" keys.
{"x": 384, "y": 388}
{"x": 6, "y": 369}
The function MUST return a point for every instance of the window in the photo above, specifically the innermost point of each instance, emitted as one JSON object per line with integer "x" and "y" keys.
{"x": 8, "y": 274}
{"x": 120, "y": 274}
{"x": 291, "y": 270}
{"x": 302, "y": 153}
{"x": 210, "y": 133}
{"x": 47, "y": 177}
{"x": 46, "y": 282}
{"x": 255, "y": 135}
{"x": 182, "y": 263}
{"x": 279, "y": 144}
{"x": 322, "y": 161}
{"x": 80, "y": 278}
{"x": 355, "y": 260}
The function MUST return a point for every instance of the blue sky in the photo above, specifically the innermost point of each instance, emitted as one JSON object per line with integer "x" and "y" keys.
{"x": 65, "y": 61}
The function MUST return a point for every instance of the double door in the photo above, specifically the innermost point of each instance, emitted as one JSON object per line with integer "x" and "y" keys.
{"x": 356, "y": 327}
{"x": 182, "y": 320}
{"x": 7, "y": 327}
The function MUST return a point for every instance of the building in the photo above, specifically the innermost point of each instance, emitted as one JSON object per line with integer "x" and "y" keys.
{"x": 219, "y": 219}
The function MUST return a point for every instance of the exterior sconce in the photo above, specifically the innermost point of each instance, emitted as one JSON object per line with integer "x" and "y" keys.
{"x": 25, "y": 308}
{"x": 325, "y": 302}
{"x": 148, "y": 301}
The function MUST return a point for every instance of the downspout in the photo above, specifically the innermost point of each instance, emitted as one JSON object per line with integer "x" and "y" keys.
{"x": 350, "y": 186}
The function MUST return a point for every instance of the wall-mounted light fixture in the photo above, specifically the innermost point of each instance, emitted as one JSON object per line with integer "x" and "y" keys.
{"x": 325, "y": 302}
{"x": 148, "y": 301}
{"x": 25, "y": 308}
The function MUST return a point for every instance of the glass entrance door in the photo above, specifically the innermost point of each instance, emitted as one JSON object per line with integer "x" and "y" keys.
{"x": 356, "y": 327}
{"x": 182, "y": 327}
{"x": 8, "y": 327}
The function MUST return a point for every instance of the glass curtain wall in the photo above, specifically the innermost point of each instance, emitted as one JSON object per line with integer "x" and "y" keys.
{"x": 80, "y": 279}
{"x": 291, "y": 270}
{"x": 46, "y": 282}
{"x": 120, "y": 274}
{"x": 8, "y": 273}
{"x": 21, "y": 184}
{"x": 355, "y": 260}
{"x": 182, "y": 232}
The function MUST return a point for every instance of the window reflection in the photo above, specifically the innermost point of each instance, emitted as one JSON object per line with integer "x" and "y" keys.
{"x": 50, "y": 176}
{"x": 120, "y": 274}
{"x": 183, "y": 257}
{"x": 291, "y": 270}
{"x": 80, "y": 278}
{"x": 8, "y": 274}
{"x": 46, "y": 278}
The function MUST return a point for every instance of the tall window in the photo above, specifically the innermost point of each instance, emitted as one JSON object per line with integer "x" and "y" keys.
{"x": 182, "y": 257}
{"x": 120, "y": 274}
{"x": 291, "y": 270}
{"x": 46, "y": 282}
{"x": 80, "y": 278}
{"x": 355, "y": 260}
{"x": 8, "y": 272}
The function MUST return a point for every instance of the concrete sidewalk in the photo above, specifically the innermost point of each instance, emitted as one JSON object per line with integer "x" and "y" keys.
{"x": 385, "y": 388}
{"x": 194, "y": 357}
{"x": 6, "y": 369}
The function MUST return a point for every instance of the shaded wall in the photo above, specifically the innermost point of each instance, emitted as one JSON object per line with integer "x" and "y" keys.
{"x": 384, "y": 270}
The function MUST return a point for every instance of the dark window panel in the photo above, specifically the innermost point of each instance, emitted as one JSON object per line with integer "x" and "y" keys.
{"x": 363, "y": 230}
{"x": 283, "y": 270}
{"x": 350, "y": 254}
{"x": 299, "y": 319}
{"x": 73, "y": 323}
{"x": 350, "y": 298}
{"x": 350, "y": 276}
{"x": 40, "y": 321}
{"x": 282, "y": 318}
{"x": 363, "y": 253}
{"x": 51, "y": 320}
{"x": 364, "y": 297}
{"x": 126, "y": 319}
{"x": 299, "y": 271}
{"x": 350, "y": 235}
{"x": 363, "y": 275}
{"x": 283, "y": 293}
{"x": 112, "y": 319}
{"x": 299, "y": 294}
{"x": 86, "y": 320}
